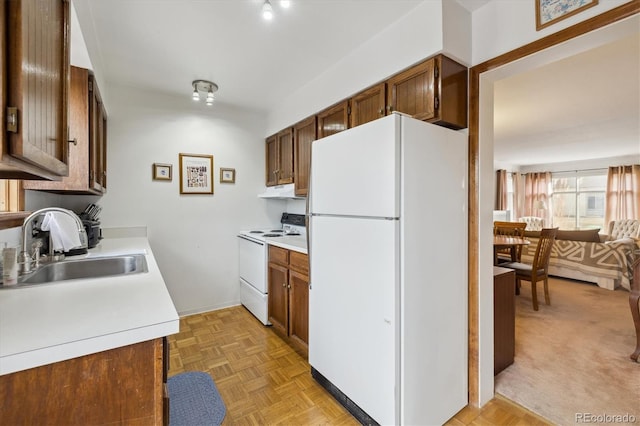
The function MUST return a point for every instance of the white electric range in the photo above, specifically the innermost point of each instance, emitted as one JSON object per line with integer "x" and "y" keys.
{"x": 253, "y": 259}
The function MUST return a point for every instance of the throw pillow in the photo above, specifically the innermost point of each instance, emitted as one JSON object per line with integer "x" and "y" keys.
{"x": 586, "y": 235}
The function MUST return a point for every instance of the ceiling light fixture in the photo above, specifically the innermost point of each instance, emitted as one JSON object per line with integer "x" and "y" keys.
{"x": 267, "y": 10}
{"x": 204, "y": 86}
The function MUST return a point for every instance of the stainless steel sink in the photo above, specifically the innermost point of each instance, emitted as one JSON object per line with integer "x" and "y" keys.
{"x": 86, "y": 268}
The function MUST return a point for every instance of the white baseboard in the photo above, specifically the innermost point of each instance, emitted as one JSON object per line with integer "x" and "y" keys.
{"x": 204, "y": 309}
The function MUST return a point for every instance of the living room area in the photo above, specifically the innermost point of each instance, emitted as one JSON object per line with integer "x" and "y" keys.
{"x": 573, "y": 355}
{"x": 572, "y": 358}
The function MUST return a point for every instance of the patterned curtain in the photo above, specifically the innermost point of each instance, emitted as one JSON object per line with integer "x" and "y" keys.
{"x": 537, "y": 196}
{"x": 622, "y": 199}
{"x": 501, "y": 190}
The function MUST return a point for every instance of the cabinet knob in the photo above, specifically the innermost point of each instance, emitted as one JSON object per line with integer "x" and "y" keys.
{"x": 289, "y": 287}
{"x": 74, "y": 141}
{"x": 381, "y": 111}
{"x": 284, "y": 284}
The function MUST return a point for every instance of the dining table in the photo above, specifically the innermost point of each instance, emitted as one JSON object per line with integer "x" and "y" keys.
{"x": 507, "y": 241}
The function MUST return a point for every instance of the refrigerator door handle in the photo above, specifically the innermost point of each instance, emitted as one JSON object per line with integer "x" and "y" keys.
{"x": 307, "y": 228}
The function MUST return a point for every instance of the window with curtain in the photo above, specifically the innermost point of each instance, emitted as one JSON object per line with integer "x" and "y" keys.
{"x": 622, "y": 193}
{"x": 579, "y": 199}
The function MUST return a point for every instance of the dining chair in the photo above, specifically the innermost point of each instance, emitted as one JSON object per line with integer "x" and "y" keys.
{"x": 513, "y": 229}
{"x": 538, "y": 270}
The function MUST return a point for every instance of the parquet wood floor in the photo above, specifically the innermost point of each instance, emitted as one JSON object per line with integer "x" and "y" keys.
{"x": 262, "y": 380}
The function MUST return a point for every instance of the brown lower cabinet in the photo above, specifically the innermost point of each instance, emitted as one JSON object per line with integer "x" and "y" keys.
{"x": 504, "y": 318}
{"x": 289, "y": 296}
{"x": 120, "y": 386}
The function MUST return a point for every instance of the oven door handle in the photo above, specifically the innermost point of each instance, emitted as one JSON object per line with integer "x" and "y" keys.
{"x": 250, "y": 240}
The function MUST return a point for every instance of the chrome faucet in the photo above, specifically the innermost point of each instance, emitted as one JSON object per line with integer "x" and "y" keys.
{"x": 26, "y": 260}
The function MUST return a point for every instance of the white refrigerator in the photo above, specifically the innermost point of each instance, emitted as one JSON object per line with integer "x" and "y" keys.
{"x": 388, "y": 280}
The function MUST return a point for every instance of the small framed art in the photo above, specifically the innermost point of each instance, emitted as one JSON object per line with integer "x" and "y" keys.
{"x": 549, "y": 12}
{"x": 227, "y": 175}
{"x": 162, "y": 171}
{"x": 196, "y": 174}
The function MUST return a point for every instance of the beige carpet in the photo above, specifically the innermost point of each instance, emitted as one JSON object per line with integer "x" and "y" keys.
{"x": 572, "y": 356}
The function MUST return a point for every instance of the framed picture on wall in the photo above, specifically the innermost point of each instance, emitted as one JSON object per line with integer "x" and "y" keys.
{"x": 549, "y": 12}
{"x": 196, "y": 174}
{"x": 162, "y": 171}
{"x": 227, "y": 175}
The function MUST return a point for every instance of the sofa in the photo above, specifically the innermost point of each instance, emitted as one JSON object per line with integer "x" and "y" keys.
{"x": 588, "y": 256}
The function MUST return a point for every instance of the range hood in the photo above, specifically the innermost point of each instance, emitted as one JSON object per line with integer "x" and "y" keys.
{"x": 280, "y": 192}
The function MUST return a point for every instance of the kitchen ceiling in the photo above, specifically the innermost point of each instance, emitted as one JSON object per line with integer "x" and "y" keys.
{"x": 579, "y": 108}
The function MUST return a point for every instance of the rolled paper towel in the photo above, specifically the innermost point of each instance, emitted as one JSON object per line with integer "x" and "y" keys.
{"x": 63, "y": 230}
{"x": 9, "y": 266}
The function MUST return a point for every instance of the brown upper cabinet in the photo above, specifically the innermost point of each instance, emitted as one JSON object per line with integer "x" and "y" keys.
{"x": 34, "y": 63}
{"x": 434, "y": 90}
{"x": 87, "y": 130}
{"x": 304, "y": 133}
{"x": 97, "y": 139}
{"x": 368, "y": 105}
{"x": 334, "y": 119}
{"x": 279, "y": 156}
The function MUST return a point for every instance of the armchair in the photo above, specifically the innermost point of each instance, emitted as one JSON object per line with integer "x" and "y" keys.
{"x": 533, "y": 223}
{"x": 624, "y": 228}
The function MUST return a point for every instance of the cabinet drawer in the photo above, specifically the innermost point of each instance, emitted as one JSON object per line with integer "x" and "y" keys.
{"x": 279, "y": 255}
{"x": 299, "y": 262}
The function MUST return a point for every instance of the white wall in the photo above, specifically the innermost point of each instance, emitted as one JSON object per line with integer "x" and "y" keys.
{"x": 503, "y": 25}
{"x": 193, "y": 237}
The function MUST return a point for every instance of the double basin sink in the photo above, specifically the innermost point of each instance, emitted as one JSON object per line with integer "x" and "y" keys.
{"x": 96, "y": 267}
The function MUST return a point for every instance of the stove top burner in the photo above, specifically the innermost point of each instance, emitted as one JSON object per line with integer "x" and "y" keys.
{"x": 276, "y": 230}
{"x": 256, "y": 232}
{"x": 272, "y": 235}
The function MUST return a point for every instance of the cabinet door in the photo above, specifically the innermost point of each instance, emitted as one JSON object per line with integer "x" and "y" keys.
{"x": 103, "y": 147}
{"x": 79, "y": 150}
{"x": 271, "y": 155}
{"x": 285, "y": 156}
{"x": 412, "y": 91}
{"x": 117, "y": 386}
{"x": 304, "y": 135}
{"x": 279, "y": 297}
{"x": 96, "y": 136}
{"x": 299, "y": 307}
{"x": 368, "y": 105}
{"x": 333, "y": 120}
{"x": 37, "y": 66}
{"x": 451, "y": 93}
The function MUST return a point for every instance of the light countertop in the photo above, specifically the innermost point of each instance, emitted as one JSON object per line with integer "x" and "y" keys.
{"x": 291, "y": 242}
{"x": 47, "y": 323}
